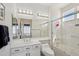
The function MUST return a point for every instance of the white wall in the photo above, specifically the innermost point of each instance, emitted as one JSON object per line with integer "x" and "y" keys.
{"x": 5, "y": 51}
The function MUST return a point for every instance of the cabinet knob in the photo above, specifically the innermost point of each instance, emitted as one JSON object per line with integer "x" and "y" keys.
{"x": 27, "y": 48}
{"x": 36, "y": 46}
{"x": 16, "y": 50}
{"x": 27, "y": 54}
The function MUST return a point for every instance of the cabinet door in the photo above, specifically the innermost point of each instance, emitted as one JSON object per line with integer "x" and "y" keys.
{"x": 35, "y": 53}
{"x": 35, "y": 50}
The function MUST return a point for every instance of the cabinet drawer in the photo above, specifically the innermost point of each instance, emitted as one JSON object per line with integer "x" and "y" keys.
{"x": 36, "y": 46}
{"x": 19, "y": 54}
{"x": 16, "y": 50}
{"x": 27, "y": 48}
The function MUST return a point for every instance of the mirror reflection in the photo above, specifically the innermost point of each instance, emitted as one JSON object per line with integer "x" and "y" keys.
{"x": 15, "y": 28}
{"x": 21, "y": 28}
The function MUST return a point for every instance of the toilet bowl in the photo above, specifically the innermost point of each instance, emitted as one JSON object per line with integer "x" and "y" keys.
{"x": 46, "y": 50}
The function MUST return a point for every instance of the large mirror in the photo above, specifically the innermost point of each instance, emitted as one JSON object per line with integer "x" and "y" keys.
{"x": 21, "y": 28}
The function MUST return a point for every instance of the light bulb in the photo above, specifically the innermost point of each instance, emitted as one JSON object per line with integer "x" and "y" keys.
{"x": 20, "y": 11}
{"x": 24, "y": 11}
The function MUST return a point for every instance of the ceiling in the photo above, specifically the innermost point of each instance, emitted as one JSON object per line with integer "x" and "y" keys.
{"x": 59, "y": 5}
{"x": 44, "y": 4}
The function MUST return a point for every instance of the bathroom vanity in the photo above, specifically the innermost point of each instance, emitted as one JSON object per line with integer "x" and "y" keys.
{"x": 21, "y": 48}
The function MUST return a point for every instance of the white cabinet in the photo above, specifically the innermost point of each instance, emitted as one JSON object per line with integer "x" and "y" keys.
{"x": 28, "y": 50}
{"x": 35, "y": 50}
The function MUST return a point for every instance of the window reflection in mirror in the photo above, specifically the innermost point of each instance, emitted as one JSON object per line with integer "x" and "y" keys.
{"x": 21, "y": 29}
{"x": 15, "y": 28}
{"x": 27, "y": 30}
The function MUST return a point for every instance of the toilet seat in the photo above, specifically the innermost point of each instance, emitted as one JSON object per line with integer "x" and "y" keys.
{"x": 46, "y": 50}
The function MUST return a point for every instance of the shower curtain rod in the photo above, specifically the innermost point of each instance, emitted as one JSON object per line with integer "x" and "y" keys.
{"x": 66, "y": 15}
{"x": 63, "y": 16}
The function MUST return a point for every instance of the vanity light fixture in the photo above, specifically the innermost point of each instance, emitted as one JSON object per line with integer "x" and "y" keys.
{"x": 31, "y": 12}
{"x": 42, "y": 15}
{"x": 19, "y": 11}
{"x": 27, "y": 12}
{"x": 24, "y": 11}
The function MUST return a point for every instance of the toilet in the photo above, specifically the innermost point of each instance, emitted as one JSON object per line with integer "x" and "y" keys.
{"x": 46, "y": 50}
